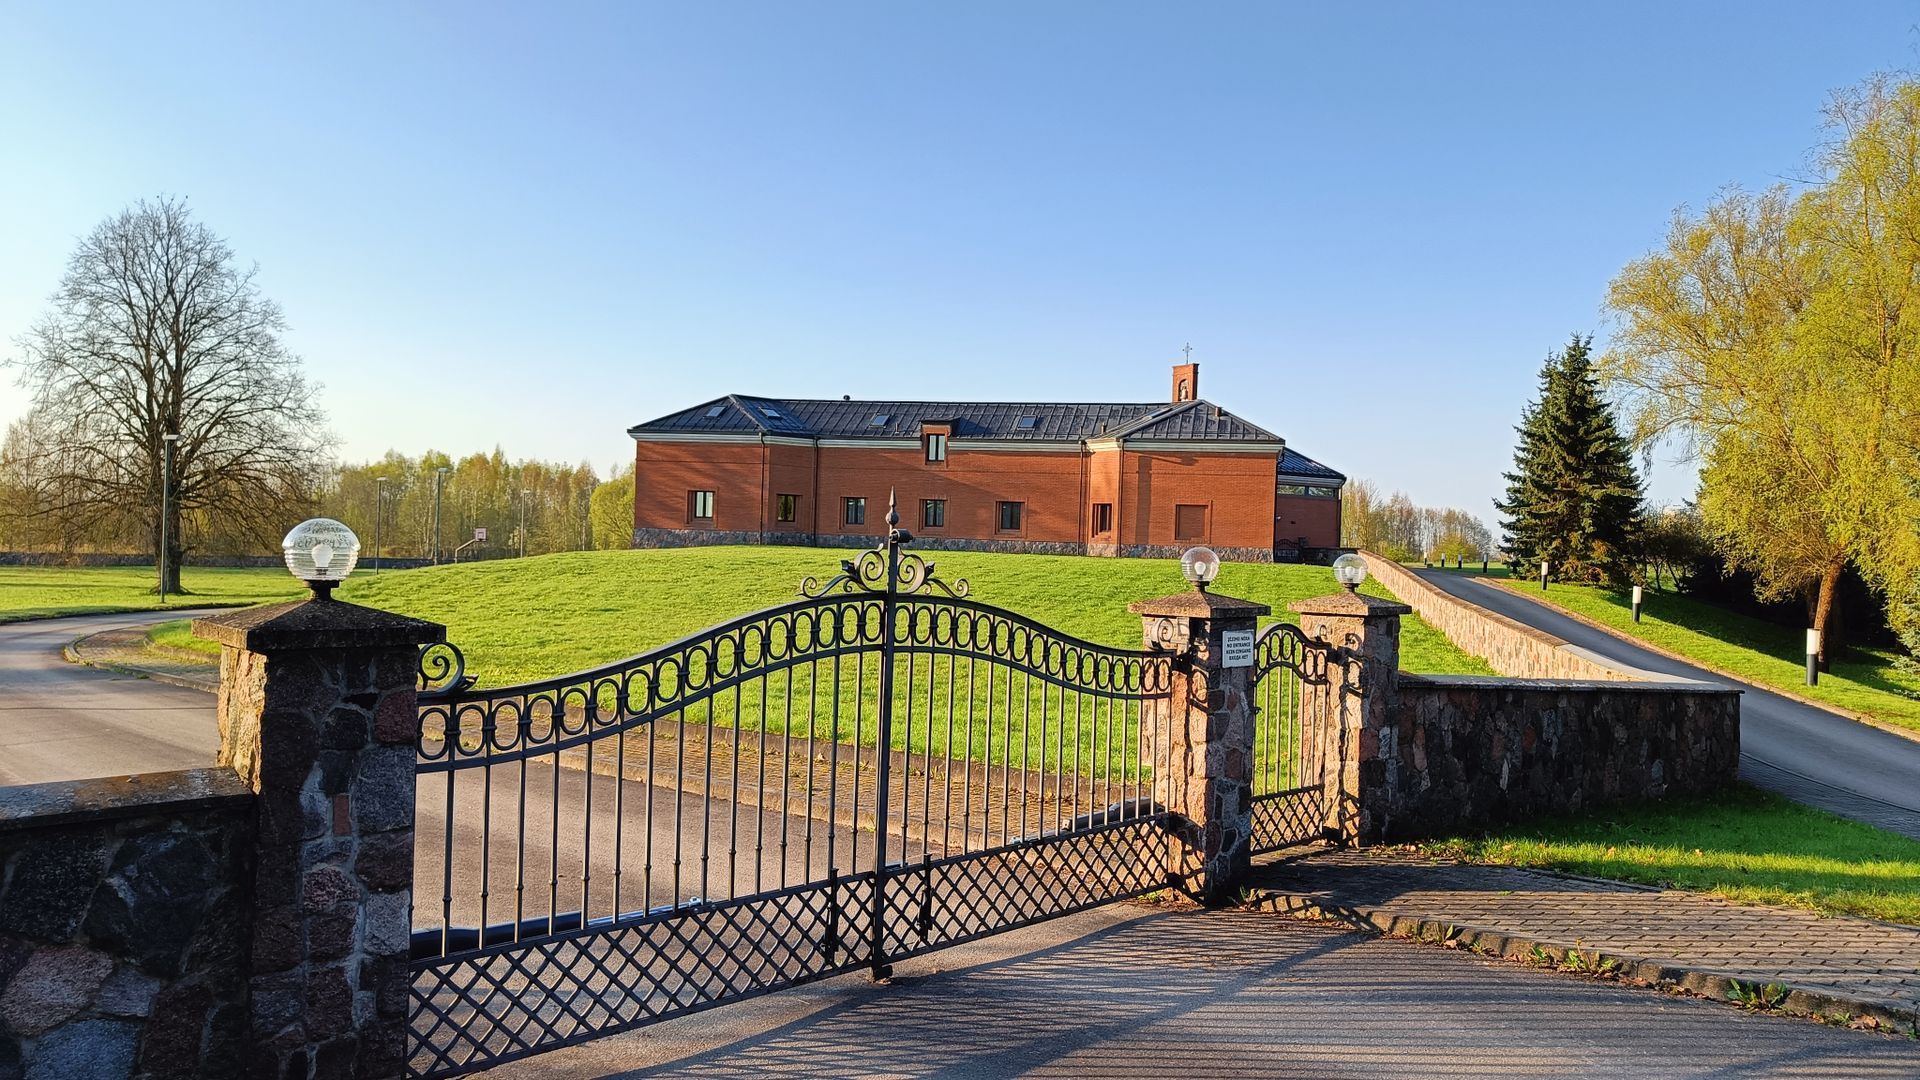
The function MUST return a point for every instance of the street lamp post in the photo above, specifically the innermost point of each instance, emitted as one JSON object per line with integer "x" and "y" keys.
{"x": 379, "y": 511}
{"x": 523, "y": 521}
{"x": 166, "y": 505}
{"x": 439, "y": 477}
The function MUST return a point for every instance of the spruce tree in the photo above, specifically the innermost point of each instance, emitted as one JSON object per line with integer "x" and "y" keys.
{"x": 1574, "y": 497}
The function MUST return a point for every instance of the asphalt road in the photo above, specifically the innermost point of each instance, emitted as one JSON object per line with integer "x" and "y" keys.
{"x": 1807, "y": 754}
{"x": 61, "y": 721}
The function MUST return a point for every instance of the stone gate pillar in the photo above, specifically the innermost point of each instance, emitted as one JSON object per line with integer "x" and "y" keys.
{"x": 1199, "y": 738}
{"x": 317, "y": 716}
{"x": 1348, "y": 714}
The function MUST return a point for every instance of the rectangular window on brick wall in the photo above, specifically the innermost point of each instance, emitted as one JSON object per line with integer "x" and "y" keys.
{"x": 700, "y": 505}
{"x": 936, "y": 447}
{"x": 933, "y": 513}
{"x": 856, "y": 511}
{"x": 786, "y": 508}
{"x": 1102, "y": 518}
{"x": 1189, "y": 522}
{"x": 1010, "y": 515}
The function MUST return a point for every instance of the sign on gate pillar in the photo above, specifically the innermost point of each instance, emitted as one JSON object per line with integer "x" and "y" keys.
{"x": 1347, "y": 713}
{"x": 1199, "y": 738}
{"x": 317, "y": 714}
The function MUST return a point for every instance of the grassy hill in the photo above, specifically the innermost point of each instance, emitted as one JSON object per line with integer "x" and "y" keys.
{"x": 520, "y": 619}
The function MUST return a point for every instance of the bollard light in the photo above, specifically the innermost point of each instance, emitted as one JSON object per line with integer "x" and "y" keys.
{"x": 1200, "y": 565}
{"x": 1636, "y": 603}
{"x": 1350, "y": 570}
{"x": 321, "y": 552}
{"x": 1813, "y": 657}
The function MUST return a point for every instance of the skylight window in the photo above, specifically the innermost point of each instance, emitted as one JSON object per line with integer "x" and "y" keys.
{"x": 1026, "y": 423}
{"x": 881, "y": 420}
{"x": 771, "y": 414}
{"x": 716, "y": 411}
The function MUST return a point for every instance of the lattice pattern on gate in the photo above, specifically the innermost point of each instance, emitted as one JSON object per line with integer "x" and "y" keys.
{"x": 863, "y": 774}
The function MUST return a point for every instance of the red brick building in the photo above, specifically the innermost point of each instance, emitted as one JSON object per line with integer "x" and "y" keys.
{"x": 1093, "y": 479}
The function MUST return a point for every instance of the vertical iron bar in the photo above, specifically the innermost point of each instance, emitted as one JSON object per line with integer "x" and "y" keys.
{"x": 833, "y": 770}
{"x": 520, "y": 834}
{"x": 486, "y": 824}
{"x": 706, "y": 796}
{"x": 760, "y": 798}
{"x": 733, "y": 820}
{"x": 553, "y": 819}
{"x": 883, "y": 740}
{"x": 586, "y": 821}
{"x": 619, "y": 804}
{"x": 446, "y": 858}
{"x": 966, "y": 809}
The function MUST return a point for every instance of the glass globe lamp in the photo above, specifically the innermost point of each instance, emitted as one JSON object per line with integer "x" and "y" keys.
{"x": 1200, "y": 565}
{"x": 321, "y": 552}
{"x": 1350, "y": 570}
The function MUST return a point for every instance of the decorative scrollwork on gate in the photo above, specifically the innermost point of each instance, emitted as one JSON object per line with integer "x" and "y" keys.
{"x": 441, "y": 669}
{"x": 1285, "y": 646}
{"x": 867, "y": 572}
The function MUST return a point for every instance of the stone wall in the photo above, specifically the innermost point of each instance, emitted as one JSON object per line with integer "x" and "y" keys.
{"x": 125, "y": 909}
{"x": 1510, "y": 648}
{"x": 1461, "y": 752}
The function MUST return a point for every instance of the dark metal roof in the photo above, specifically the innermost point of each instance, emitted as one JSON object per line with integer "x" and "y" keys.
{"x": 1294, "y": 463}
{"x": 1033, "y": 421}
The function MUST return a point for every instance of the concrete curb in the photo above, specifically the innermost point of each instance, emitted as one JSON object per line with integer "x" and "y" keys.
{"x": 1824, "y": 706}
{"x": 71, "y": 654}
{"x": 1648, "y": 971}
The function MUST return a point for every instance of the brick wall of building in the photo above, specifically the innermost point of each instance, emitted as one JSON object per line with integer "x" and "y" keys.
{"x": 1317, "y": 519}
{"x": 1236, "y": 489}
{"x": 1057, "y": 490}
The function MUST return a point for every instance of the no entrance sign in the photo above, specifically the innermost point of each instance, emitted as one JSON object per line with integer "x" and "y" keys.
{"x": 1236, "y": 648}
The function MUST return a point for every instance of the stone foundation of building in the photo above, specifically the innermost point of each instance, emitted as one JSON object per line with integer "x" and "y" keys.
{"x": 679, "y": 538}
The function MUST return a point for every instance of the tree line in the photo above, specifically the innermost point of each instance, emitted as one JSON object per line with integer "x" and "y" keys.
{"x": 1394, "y": 526}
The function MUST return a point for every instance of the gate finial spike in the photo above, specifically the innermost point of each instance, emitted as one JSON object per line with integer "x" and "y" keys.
{"x": 893, "y": 512}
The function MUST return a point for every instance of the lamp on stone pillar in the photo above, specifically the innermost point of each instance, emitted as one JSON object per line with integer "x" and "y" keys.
{"x": 1199, "y": 737}
{"x": 317, "y": 715}
{"x": 1350, "y": 710}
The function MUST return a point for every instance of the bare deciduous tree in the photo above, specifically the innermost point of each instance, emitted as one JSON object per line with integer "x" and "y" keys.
{"x": 154, "y": 330}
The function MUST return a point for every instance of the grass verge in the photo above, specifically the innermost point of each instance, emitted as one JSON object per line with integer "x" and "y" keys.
{"x": 1863, "y": 680}
{"x": 43, "y": 592}
{"x": 1744, "y": 844}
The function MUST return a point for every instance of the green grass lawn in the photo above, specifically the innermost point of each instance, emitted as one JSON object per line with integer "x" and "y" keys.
{"x": 521, "y": 619}
{"x": 39, "y": 592}
{"x": 1744, "y": 844}
{"x": 1864, "y": 681}
{"x": 529, "y": 619}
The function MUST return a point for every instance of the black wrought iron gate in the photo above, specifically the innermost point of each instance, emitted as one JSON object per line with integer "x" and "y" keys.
{"x": 880, "y": 768}
{"x": 1293, "y": 737}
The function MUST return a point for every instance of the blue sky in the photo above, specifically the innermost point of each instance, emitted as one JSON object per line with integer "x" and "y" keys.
{"x": 535, "y": 226}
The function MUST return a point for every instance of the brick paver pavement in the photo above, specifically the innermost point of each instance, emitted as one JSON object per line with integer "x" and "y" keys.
{"x": 1662, "y": 935}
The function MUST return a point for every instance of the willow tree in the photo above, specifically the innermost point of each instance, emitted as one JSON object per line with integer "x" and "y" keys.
{"x": 1777, "y": 337}
{"x": 155, "y": 331}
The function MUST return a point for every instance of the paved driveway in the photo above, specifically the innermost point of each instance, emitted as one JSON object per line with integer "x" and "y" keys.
{"x": 1133, "y": 992}
{"x": 61, "y": 721}
{"x": 1807, "y": 754}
